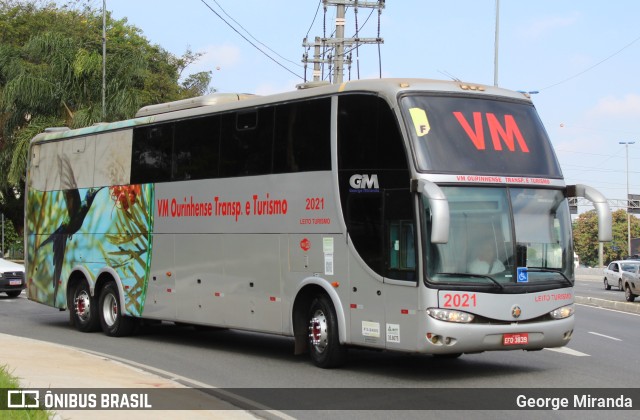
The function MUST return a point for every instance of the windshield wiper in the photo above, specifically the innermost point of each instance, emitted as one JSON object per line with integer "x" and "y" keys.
{"x": 479, "y": 276}
{"x": 550, "y": 270}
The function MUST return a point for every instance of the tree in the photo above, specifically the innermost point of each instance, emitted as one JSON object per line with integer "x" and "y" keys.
{"x": 51, "y": 75}
{"x": 585, "y": 237}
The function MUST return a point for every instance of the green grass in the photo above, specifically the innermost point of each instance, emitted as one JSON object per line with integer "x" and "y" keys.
{"x": 9, "y": 382}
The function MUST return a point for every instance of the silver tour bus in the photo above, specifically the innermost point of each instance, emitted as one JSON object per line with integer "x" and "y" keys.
{"x": 397, "y": 214}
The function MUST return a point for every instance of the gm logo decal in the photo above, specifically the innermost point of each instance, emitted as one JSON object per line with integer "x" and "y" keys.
{"x": 364, "y": 183}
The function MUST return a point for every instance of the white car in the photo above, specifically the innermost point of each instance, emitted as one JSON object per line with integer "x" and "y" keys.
{"x": 631, "y": 282}
{"x": 12, "y": 279}
{"x": 613, "y": 273}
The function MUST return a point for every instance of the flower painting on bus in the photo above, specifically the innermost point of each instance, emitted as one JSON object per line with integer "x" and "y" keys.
{"x": 85, "y": 225}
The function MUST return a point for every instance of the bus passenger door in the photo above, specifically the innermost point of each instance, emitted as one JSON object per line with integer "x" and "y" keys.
{"x": 366, "y": 233}
{"x": 401, "y": 298}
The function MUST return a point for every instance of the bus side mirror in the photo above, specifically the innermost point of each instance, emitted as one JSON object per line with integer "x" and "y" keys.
{"x": 601, "y": 205}
{"x": 439, "y": 209}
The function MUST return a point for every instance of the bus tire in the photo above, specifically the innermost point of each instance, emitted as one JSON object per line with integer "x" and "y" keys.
{"x": 112, "y": 321}
{"x": 324, "y": 343}
{"x": 83, "y": 308}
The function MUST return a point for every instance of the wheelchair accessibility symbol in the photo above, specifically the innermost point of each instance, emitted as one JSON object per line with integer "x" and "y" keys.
{"x": 523, "y": 275}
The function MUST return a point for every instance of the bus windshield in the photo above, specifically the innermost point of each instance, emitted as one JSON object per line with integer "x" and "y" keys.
{"x": 501, "y": 236}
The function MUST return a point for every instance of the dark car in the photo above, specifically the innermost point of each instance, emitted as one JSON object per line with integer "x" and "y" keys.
{"x": 11, "y": 278}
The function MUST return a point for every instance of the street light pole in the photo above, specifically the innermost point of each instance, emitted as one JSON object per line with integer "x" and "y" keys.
{"x": 495, "y": 45}
{"x": 626, "y": 147}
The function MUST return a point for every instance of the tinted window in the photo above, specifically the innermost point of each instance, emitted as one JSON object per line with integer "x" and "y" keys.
{"x": 369, "y": 135}
{"x": 246, "y": 143}
{"x": 152, "y": 154}
{"x": 373, "y": 177}
{"x": 302, "y": 140}
{"x": 284, "y": 138}
{"x": 196, "y": 148}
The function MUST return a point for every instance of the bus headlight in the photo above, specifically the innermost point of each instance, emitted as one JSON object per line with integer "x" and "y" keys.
{"x": 562, "y": 313}
{"x": 449, "y": 315}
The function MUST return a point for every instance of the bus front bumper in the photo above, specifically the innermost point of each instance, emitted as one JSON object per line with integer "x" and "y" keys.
{"x": 443, "y": 337}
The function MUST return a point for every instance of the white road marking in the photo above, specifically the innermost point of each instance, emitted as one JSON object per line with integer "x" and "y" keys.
{"x": 567, "y": 350}
{"x": 605, "y": 336}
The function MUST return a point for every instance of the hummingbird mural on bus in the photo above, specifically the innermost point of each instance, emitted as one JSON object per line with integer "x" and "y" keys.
{"x": 77, "y": 210}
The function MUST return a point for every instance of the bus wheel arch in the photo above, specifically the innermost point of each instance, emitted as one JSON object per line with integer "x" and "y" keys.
{"x": 82, "y": 305}
{"x": 316, "y": 318}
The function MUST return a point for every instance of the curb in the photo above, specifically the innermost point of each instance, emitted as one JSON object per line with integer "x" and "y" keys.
{"x": 609, "y": 304}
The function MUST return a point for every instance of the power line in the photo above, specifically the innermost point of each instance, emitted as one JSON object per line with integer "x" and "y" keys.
{"x": 249, "y": 41}
{"x": 594, "y": 66}
{"x": 314, "y": 18}
{"x": 256, "y": 39}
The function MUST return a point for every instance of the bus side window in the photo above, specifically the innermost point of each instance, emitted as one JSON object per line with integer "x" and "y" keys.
{"x": 402, "y": 250}
{"x": 400, "y": 235}
{"x": 302, "y": 136}
{"x": 197, "y": 148}
{"x": 246, "y": 143}
{"x": 152, "y": 154}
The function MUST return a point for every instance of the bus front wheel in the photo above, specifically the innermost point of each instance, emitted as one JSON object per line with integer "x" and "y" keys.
{"x": 324, "y": 342}
{"x": 112, "y": 321}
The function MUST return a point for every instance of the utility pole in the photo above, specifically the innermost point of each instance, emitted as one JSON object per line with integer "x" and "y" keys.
{"x": 339, "y": 43}
{"x": 626, "y": 147}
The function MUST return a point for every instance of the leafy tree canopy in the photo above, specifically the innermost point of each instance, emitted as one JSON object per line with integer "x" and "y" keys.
{"x": 51, "y": 75}
{"x": 585, "y": 237}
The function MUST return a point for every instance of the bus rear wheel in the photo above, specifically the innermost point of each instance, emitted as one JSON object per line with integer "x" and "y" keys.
{"x": 112, "y": 321}
{"x": 83, "y": 309}
{"x": 324, "y": 342}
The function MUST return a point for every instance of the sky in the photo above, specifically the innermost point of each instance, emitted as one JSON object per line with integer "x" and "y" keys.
{"x": 581, "y": 56}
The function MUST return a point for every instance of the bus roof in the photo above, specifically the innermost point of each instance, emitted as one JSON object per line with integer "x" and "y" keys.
{"x": 197, "y": 102}
{"x": 207, "y": 104}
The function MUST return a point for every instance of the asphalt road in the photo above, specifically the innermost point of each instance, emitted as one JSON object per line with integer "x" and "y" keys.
{"x": 603, "y": 354}
{"x": 593, "y": 286}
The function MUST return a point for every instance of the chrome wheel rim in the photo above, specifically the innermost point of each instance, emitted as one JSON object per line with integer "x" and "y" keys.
{"x": 82, "y": 305}
{"x": 318, "y": 331}
{"x": 110, "y": 309}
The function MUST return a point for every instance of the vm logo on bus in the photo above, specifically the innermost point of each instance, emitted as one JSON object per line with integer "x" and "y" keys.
{"x": 507, "y": 133}
{"x": 364, "y": 183}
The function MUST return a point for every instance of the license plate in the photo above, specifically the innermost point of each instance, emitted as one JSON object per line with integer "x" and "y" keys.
{"x": 15, "y": 282}
{"x": 515, "y": 339}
